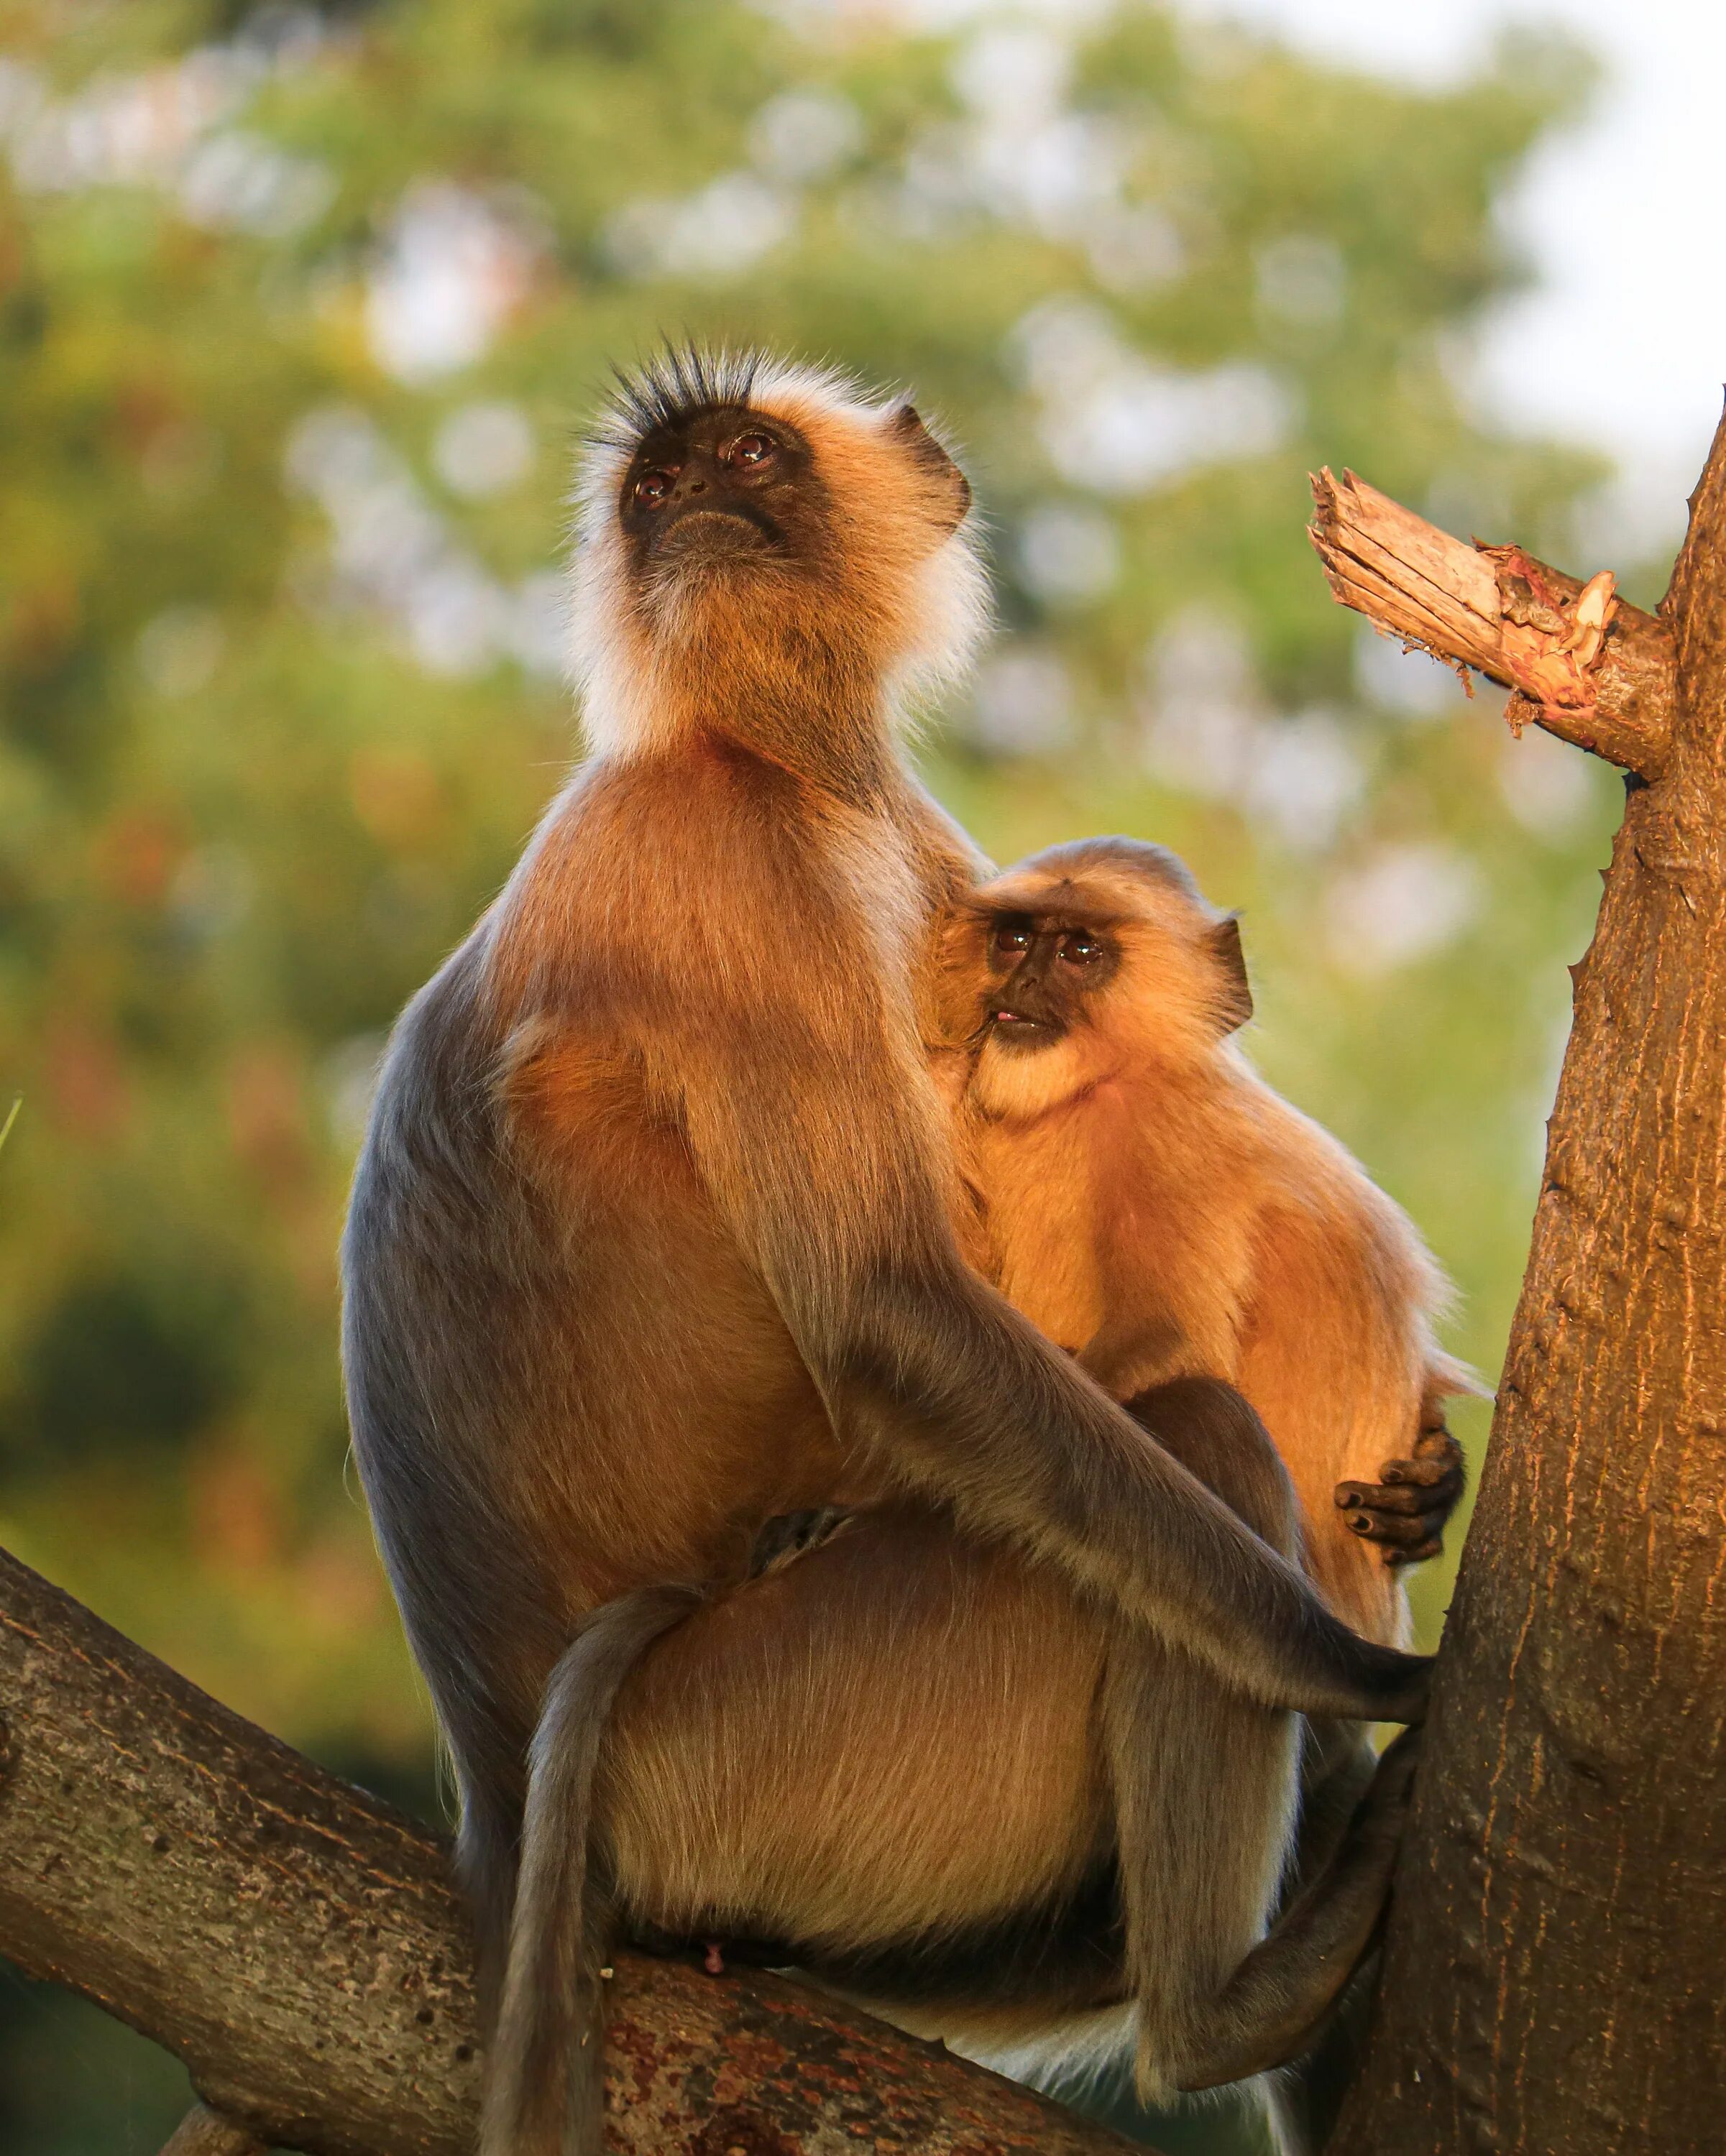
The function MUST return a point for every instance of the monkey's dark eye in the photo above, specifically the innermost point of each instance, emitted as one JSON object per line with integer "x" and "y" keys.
{"x": 749, "y": 450}
{"x": 1011, "y": 941}
{"x": 1079, "y": 949}
{"x": 653, "y": 486}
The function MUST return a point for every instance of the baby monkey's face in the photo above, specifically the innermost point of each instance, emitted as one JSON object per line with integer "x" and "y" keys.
{"x": 1086, "y": 965}
{"x": 1045, "y": 969}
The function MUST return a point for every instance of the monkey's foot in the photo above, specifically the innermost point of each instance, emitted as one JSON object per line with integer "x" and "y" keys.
{"x": 1406, "y": 1509}
{"x": 789, "y": 1536}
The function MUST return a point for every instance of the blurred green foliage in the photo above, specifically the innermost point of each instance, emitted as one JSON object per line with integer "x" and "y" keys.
{"x": 300, "y": 314}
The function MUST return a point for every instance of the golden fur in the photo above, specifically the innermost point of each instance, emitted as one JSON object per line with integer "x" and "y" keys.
{"x": 1153, "y": 1205}
{"x": 650, "y": 664}
{"x": 653, "y": 1238}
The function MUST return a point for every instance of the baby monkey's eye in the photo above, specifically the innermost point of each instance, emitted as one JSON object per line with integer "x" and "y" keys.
{"x": 1013, "y": 941}
{"x": 749, "y": 450}
{"x": 653, "y": 486}
{"x": 1079, "y": 949}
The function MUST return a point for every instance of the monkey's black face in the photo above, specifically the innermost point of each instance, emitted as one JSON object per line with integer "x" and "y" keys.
{"x": 1046, "y": 968}
{"x": 724, "y": 484}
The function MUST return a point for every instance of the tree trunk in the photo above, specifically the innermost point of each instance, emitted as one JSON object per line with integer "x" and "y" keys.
{"x": 296, "y": 1943}
{"x": 1553, "y": 1968}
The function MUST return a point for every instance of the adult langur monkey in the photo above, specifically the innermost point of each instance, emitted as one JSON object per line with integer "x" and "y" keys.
{"x": 651, "y": 1241}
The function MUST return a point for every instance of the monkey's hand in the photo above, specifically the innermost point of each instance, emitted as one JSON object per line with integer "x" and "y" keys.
{"x": 787, "y": 1536}
{"x": 1406, "y": 1509}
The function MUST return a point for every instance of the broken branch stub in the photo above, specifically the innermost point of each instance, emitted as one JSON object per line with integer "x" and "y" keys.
{"x": 1580, "y": 661}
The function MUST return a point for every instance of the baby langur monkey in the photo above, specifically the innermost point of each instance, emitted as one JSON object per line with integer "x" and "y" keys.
{"x": 1155, "y": 1208}
{"x": 1158, "y": 1211}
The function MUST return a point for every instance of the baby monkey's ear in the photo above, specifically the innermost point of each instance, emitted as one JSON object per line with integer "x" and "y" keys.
{"x": 1234, "y": 1003}
{"x": 953, "y": 489}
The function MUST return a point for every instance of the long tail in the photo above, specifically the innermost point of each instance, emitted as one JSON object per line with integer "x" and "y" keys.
{"x": 545, "y": 2081}
{"x": 1273, "y": 2007}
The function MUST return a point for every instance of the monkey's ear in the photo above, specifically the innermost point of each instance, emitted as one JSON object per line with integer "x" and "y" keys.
{"x": 906, "y": 423}
{"x": 1234, "y": 1002}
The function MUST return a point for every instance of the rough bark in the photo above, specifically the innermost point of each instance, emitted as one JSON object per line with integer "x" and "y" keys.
{"x": 1581, "y": 662}
{"x": 1552, "y": 1976}
{"x": 294, "y": 1942}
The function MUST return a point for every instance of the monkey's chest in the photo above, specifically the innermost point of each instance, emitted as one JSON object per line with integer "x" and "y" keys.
{"x": 1049, "y": 1269}
{"x": 1124, "y": 1266}
{"x": 673, "y": 1413}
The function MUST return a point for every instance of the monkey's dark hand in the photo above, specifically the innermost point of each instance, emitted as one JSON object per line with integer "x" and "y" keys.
{"x": 1407, "y": 1508}
{"x": 787, "y": 1536}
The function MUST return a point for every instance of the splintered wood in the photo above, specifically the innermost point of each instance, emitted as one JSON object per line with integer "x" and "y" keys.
{"x": 1580, "y": 661}
{"x": 1405, "y": 574}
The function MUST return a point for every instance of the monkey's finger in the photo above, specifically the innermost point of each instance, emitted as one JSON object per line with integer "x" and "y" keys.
{"x": 1378, "y": 1497}
{"x": 1422, "y": 1473}
{"x": 1399, "y": 1533}
{"x": 1401, "y": 1530}
{"x": 1396, "y": 1559}
{"x": 790, "y": 1535}
{"x": 1436, "y": 1442}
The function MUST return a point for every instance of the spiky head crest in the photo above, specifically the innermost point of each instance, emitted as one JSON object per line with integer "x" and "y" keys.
{"x": 672, "y": 386}
{"x": 897, "y": 600}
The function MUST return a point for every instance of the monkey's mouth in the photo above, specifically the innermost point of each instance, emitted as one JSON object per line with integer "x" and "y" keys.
{"x": 1016, "y": 1028}
{"x": 707, "y": 530}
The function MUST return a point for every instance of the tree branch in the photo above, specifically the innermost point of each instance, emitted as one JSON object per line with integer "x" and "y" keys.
{"x": 1580, "y": 661}
{"x": 296, "y": 1942}
{"x": 205, "y": 2132}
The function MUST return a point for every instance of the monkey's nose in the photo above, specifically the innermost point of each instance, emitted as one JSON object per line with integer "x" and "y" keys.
{"x": 692, "y": 483}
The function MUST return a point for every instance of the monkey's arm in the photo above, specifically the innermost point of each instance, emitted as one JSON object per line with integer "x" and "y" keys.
{"x": 1334, "y": 1357}
{"x": 963, "y": 1401}
{"x": 814, "y": 1126}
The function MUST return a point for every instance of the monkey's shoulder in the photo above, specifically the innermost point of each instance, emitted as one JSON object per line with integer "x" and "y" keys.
{"x": 1323, "y": 1226}
{"x": 712, "y": 886}
{"x": 477, "y": 1054}
{"x": 690, "y": 847}
{"x": 434, "y": 1072}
